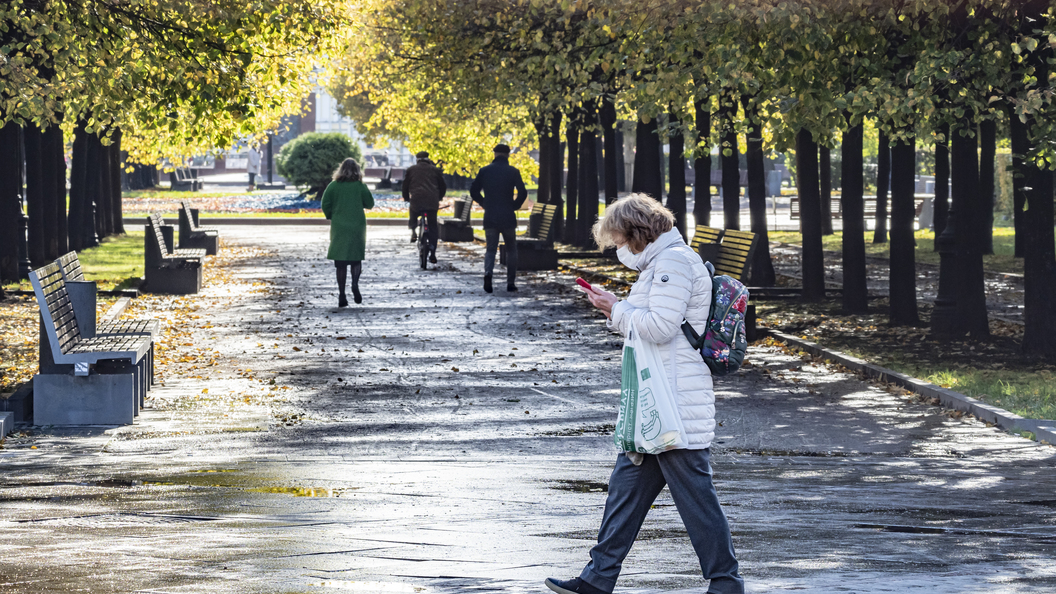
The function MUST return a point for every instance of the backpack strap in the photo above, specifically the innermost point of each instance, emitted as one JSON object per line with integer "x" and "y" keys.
{"x": 695, "y": 340}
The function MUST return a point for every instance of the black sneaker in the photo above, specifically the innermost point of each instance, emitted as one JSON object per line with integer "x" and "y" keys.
{"x": 511, "y": 288}
{"x": 414, "y": 236}
{"x": 432, "y": 257}
{"x": 572, "y": 586}
{"x": 487, "y": 283}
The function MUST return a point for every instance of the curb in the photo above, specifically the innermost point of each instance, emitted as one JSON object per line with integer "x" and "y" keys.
{"x": 1043, "y": 430}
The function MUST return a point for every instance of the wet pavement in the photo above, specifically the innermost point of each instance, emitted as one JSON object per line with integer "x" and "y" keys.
{"x": 440, "y": 439}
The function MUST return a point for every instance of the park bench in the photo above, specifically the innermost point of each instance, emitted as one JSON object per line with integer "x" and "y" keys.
{"x": 835, "y": 208}
{"x": 193, "y": 236}
{"x": 110, "y": 373}
{"x": 182, "y": 179}
{"x": 705, "y": 241}
{"x": 83, "y": 296}
{"x": 168, "y": 270}
{"x": 396, "y": 175}
{"x": 373, "y": 176}
{"x": 535, "y": 250}
{"x": 457, "y": 228}
{"x": 732, "y": 257}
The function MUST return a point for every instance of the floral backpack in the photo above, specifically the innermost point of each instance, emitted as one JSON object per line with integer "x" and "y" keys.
{"x": 724, "y": 343}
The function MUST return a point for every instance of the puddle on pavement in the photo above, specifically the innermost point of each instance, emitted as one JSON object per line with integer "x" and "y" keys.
{"x": 209, "y": 479}
{"x": 580, "y": 486}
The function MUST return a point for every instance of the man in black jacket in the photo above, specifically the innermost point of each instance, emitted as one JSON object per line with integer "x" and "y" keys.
{"x": 498, "y": 181}
{"x": 424, "y": 187}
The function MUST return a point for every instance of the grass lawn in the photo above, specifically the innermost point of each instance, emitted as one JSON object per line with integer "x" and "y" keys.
{"x": 115, "y": 264}
{"x": 994, "y": 371}
{"x": 1002, "y": 259}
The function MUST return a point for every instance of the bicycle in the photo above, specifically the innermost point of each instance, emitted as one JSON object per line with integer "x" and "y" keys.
{"x": 423, "y": 240}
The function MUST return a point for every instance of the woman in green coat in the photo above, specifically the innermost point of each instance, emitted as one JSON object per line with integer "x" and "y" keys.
{"x": 343, "y": 203}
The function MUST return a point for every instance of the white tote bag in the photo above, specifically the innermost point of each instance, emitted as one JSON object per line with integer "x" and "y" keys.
{"x": 648, "y": 421}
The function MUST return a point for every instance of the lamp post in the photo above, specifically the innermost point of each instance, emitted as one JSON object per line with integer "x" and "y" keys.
{"x": 24, "y": 265}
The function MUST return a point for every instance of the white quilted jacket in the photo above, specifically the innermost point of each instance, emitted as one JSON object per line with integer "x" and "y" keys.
{"x": 673, "y": 285}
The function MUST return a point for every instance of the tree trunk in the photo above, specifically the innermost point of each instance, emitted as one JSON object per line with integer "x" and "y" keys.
{"x": 676, "y": 193}
{"x": 542, "y": 130}
{"x": 731, "y": 168}
{"x": 702, "y": 167}
{"x": 883, "y": 177}
{"x": 971, "y": 294}
{"x": 613, "y": 155}
{"x": 54, "y": 168}
{"x": 621, "y": 165}
{"x": 116, "y": 207}
{"x": 810, "y": 216}
{"x": 987, "y": 152}
{"x": 1039, "y": 265}
{"x": 36, "y": 198}
{"x": 105, "y": 220}
{"x": 903, "y": 274}
{"x": 557, "y": 173}
{"x": 572, "y": 183}
{"x": 762, "y": 268}
{"x": 91, "y": 190}
{"x": 588, "y": 183}
{"x": 10, "y": 199}
{"x": 78, "y": 191}
{"x": 942, "y": 181}
{"x": 825, "y": 170}
{"x": 648, "y": 178}
{"x": 1020, "y": 146}
{"x": 855, "y": 291}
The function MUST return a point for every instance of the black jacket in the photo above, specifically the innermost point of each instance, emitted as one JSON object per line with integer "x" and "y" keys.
{"x": 423, "y": 186}
{"x": 497, "y": 181}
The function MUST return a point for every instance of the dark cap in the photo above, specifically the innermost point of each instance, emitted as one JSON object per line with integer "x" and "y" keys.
{"x": 422, "y": 155}
{"x": 502, "y": 149}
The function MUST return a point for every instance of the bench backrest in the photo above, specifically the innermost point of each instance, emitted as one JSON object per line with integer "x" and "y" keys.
{"x": 546, "y": 222}
{"x": 70, "y": 265}
{"x": 703, "y": 234}
{"x": 467, "y": 210}
{"x": 186, "y": 218}
{"x": 735, "y": 254}
{"x": 156, "y": 222}
{"x": 376, "y": 173}
{"x": 397, "y": 173}
{"x": 56, "y": 309}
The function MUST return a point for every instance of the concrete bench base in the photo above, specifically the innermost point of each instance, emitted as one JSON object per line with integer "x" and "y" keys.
{"x": 173, "y": 281}
{"x": 210, "y": 243}
{"x": 531, "y": 256}
{"x": 97, "y": 399}
{"x": 455, "y": 231}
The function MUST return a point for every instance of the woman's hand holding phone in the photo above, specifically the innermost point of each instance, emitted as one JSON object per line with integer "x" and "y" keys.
{"x": 599, "y": 298}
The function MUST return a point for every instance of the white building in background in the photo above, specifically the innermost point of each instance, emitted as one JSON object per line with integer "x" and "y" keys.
{"x": 327, "y": 118}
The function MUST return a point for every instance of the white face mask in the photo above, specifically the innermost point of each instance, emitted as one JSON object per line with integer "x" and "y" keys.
{"x": 627, "y": 258}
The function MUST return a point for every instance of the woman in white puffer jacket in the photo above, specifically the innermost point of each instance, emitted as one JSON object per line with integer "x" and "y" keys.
{"x": 673, "y": 286}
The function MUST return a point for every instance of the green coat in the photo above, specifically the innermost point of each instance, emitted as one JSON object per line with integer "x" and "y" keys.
{"x": 343, "y": 204}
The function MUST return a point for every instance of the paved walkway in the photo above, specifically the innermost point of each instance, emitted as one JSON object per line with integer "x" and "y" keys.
{"x": 439, "y": 439}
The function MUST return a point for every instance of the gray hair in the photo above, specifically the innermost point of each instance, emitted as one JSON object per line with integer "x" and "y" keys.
{"x": 348, "y": 171}
{"x": 637, "y": 219}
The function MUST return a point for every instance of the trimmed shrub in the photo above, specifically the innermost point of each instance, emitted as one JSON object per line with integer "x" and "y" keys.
{"x": 311, "y": 158}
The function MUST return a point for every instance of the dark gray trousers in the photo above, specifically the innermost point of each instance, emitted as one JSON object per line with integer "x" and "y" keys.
{"x": 632, "y": 491}
{"x": 509, "y": 238}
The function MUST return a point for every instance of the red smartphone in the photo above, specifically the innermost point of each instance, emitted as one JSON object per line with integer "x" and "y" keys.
{"x": 584, "y": 284}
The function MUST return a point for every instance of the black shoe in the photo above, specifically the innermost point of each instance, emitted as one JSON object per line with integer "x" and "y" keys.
{"x": 342, "y": 301}
{"x": 487, "y": 283}
{"x": 572, "y": 586}
{"x": 414, "y": 236}
{"x": 511, "y": 287}
{"x": 432, "y": 257}
{"x": 356, "y": 296}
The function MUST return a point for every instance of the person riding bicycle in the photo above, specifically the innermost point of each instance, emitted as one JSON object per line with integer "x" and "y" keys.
{"x": 424, "y": 187}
